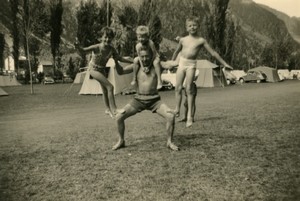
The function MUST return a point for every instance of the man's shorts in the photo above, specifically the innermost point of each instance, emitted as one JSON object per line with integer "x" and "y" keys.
{"x": 146, "y": 102}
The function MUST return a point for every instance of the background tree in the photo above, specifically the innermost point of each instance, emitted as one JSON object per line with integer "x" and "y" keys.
{"x": 34, "y": 25}
{"x": 216, "y": 26}
{"x": 124, "y": 26}
{"x": 56, "y": 10}
{"x": 71, "y": 69}
{"x": 147, "y": 15}
{"x": 14, "y": 30}
{"x": 91, "y": 18}
{"x": 2, "y": 46}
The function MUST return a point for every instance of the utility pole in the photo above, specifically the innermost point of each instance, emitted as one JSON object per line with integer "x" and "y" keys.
{"x": 107, "y": 13}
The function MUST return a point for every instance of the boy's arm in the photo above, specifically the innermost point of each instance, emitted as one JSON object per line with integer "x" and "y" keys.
{"x": 124, "y": 70}
{"x": 178, "y": 49}
{"x": 117, "y": 57}
{"x": 90, "y": 48}
{"x": 215, "y": 54}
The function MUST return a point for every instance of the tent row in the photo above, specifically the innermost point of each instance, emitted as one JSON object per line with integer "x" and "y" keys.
{"x": 210, "y": 75}
{"x": 91, "y": 86}
{"x": 8, "y": 80}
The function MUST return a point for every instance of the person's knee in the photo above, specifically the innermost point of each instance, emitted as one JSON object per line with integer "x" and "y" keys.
{"x": 136, "y": 60}
{"x": 110, "y": 88}
{"x": 178, "y": 88}
{"x": 188, "y": 90}
{"x": 170, "y": 117}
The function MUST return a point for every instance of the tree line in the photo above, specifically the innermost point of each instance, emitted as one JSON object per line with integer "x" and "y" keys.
{"x": 34, "y": 21}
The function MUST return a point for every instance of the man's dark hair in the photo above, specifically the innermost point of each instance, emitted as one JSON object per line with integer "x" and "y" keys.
{"x": 147, "y": 49}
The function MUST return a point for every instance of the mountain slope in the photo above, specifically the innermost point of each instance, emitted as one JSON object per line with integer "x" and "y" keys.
{"x": 292, "y": 23}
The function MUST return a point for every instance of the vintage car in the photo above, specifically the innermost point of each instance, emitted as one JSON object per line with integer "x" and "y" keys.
{"x": 253, "y": 76}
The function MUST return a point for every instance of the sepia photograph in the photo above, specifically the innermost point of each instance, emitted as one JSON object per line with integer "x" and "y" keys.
{"x": 150, "y": 100}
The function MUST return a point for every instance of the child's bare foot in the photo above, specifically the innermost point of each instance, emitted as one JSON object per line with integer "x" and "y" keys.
{"x": 108, "y": 112}
{"x": 189, "y": 123}
{"x": 172, "y": 146}
{"x": 119, "y": 145}
{"x": 182, "y": 119}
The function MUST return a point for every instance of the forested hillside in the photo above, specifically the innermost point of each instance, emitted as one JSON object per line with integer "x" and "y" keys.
{"x": 246, "y": 34}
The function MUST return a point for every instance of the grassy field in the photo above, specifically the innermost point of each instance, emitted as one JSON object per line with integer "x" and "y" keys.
{"x": 244, "y": 145}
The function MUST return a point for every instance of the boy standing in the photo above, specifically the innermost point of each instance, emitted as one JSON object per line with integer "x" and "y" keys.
{"x": 189, "y": 47}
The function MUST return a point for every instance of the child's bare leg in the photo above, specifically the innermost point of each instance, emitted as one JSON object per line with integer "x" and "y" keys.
{"x": 106, "y": 101}
{"x": 109, "y": 90}
{"x": 194, "y": 107}
{"x": 185, "y": 109}
{"x": 157, "y": 68}
{"x": 136, "y": 68}
{"x": 189, "y": 81}
{"x": 180, "y": 75}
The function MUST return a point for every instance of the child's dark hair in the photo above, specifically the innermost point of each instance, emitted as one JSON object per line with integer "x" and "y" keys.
{"x": 107, "y": 31}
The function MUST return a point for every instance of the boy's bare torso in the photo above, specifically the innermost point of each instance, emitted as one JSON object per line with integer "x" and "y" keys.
{"x": 191, "y": 46}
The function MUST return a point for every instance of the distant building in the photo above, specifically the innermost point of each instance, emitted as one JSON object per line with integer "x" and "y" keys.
{"x": 46, "y": 67}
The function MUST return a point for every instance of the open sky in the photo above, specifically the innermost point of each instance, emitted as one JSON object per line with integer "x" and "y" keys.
{"x": 289, "y": 7}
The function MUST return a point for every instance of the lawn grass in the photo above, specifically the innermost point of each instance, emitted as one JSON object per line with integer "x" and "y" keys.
{"x": 244, "y": 145}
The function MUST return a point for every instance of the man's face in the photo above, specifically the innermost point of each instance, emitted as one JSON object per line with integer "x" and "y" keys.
{"x": 145, "y": 57}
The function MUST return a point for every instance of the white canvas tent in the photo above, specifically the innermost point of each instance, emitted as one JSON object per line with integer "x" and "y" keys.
{"x": 2, "y": 92}
{"x": 285, "y": 73}
{"x": 210, "y": 75}
{"x": 79, "y": 78}
{"x": 271, "y": 73}
{"x": 120, "y": 82}
{"x": 8, "y": 80}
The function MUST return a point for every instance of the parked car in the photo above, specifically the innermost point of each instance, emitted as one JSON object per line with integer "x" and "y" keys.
{"x": 67, "y": 79}
{"x": 167, "y": 85}
{"x": 169, "y": 76}
{"x": 253, "y": 76}
{"x": 230, "y": 77}
{"x": 48, "y": 80}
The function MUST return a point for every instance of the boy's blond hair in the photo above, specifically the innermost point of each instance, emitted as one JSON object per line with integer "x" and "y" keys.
{"x": 192, "y": 19}
{"x": 142, "y": 30}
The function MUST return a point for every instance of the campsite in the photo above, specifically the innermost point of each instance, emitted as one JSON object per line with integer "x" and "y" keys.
{"x": 244, "y": 145}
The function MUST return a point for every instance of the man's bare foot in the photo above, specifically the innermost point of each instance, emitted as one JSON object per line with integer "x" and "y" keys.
{"x": 182, "y": 120}
{"x": 119, "y": 145}
{"x": 172, "y": 146}
{"x": 189, "y": 123}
